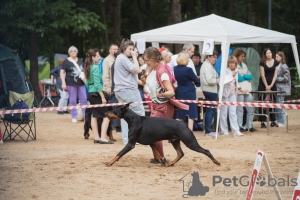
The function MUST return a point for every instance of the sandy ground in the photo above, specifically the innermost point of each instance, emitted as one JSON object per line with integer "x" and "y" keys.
{"x": 60, "y": 164}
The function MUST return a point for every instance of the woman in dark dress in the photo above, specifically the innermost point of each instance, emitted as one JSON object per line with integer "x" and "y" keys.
{"x": 268, "y": 72}
{"x": 186, "y": 89}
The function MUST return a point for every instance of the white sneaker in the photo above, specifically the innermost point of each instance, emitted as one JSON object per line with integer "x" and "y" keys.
{"x": 74, "y": 120}
{"x": 1, "y": 142}
{"x": 226, "y": 133}
{"x": 281, "y": 125}
{"x": 238, "y": 133}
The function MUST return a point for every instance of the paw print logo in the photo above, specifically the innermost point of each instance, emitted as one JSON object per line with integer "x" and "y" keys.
{"x": 261, "y": 181}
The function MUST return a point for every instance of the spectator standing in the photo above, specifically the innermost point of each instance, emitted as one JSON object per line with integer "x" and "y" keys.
{"x": 64, "y": 95}
{"x": 186, "y": 88}
{"x": 283, "y": 83}
{"x": 69, "y": 74}
{"x": 231, "y": 86}
{"x": 196, "y": 58}
{"x": 209, "y": 80}
{"x": 125, "y": 79}
{"x": 107, "y": 63}
{"x": 107, "y": 78}
{"x": 96, "y": 95}
{"x": 244, "y": 78}
{"x": 188, "y": 48}
{"x": 142, "y": 63}
{"x": 268, "y": 72}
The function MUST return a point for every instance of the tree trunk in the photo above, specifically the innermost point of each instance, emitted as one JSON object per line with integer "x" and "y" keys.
{"x": 148, "y": 14}
{"x": 117, "y": 21}
{"x": 191, "y": 4}
{"x": 51, "y": 61}
{"x": 204, "y": 7}
{"x": 175, "y": 17}
{"x": 139, "y": 14}
{"x": 252, "y": 18}
{"x": 34, "y": 66}
{"x": 103, "y": 12}
{"x": 231, "y": 9}
{"x": 221, "y": 10}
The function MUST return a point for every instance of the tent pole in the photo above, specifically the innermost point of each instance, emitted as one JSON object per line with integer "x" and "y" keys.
{"x": 225, "y": 50}
{"x": 295, "y": 51}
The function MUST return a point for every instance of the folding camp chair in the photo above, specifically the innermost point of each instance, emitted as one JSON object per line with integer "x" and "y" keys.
{"x": 14, "y": 128}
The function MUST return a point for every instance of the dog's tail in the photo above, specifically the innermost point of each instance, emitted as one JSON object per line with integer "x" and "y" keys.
{"x": 186, "y": 121}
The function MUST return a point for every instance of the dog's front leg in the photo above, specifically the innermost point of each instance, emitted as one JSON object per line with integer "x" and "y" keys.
{"x": 125, "y": 150}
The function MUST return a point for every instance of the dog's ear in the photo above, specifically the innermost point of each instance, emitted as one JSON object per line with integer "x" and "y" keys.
{"x": 129, "y": 104}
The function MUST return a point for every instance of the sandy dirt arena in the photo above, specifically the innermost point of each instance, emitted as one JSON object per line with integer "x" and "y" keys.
{"x": 61, "y": 164}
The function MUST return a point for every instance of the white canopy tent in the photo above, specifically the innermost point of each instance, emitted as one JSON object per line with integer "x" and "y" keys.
{"x": 222, "y": 30}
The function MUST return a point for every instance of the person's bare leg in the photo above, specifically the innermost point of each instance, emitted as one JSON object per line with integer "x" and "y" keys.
{"x": 104, "y": 128}
{"x": 191, "y": 124}
{"x": 94, "y": 124}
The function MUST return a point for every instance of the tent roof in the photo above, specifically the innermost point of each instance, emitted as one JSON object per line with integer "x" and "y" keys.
{"x": 213, "y": 27}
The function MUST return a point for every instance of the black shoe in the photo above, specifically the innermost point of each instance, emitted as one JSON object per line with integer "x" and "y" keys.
{"x": 273, "y": 124}
{"x": 243, "y": 130}
{"x": 263, "y": 125}
{"x": 154, "y": 161}
{"x": 60, "y": 112}
{"x": 66, "y": 112}
{"x": 118, "y": 129}
{"x": 252, "y": 129}
{"x": 103, "y": 142}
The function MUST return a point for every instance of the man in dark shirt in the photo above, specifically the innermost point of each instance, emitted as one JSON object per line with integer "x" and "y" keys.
{"x": 196, "y": 58}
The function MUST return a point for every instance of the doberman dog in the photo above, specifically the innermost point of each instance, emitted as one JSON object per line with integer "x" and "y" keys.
{"x": 87, "y": 126}
{"x": 148, "y": 130}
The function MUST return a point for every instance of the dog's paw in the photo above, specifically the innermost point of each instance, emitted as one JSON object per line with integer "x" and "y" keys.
{"x": 170, "y": 165}
{"x": 108, "y": 164}
{"x": 216, "y": 162}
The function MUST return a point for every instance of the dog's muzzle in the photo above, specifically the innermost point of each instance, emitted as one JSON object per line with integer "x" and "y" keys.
{"x": 111, "y": 116}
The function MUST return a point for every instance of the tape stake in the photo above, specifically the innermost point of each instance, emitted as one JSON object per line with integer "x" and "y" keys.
{"x": 260, "y": 157}
{"x": 296, "y": 195}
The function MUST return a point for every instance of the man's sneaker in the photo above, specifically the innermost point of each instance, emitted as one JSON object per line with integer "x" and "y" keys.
{"x": 154, "y": 161}
{"x": 238, "y": 134}
{"x": 263, "y": 125}
{"x": 243, "y": 129}
{"x": 252, "y": 129}
{"x": 281, "y": 125}
{"x": 74, "y": 120}
{"x": 60, "y": 112}
{"x": 226, "y": 133}
{"x": 273, "y": 124}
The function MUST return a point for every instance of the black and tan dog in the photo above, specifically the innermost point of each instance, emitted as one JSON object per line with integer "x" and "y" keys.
{"x": 87, "y": 126}
{"x": 148, "y": 130}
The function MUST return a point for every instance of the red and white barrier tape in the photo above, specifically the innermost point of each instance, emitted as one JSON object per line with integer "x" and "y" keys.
{"x": 248, "y": 104}
{"x": 262, "y": 105}
{"x": 205, "y": 106}
{"x": 63, "y": 108}
{"x": 292, "y": 101}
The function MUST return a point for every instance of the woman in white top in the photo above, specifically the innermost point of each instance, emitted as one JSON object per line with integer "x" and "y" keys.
{"x": 160, "y": 108}
{"x": 231, "y": 86}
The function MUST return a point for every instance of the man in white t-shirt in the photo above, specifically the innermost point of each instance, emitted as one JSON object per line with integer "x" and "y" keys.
{"x": 188, "y": 48}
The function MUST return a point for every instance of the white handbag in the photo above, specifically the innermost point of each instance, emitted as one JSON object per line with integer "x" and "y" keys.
{"x": 81, "y": 76}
